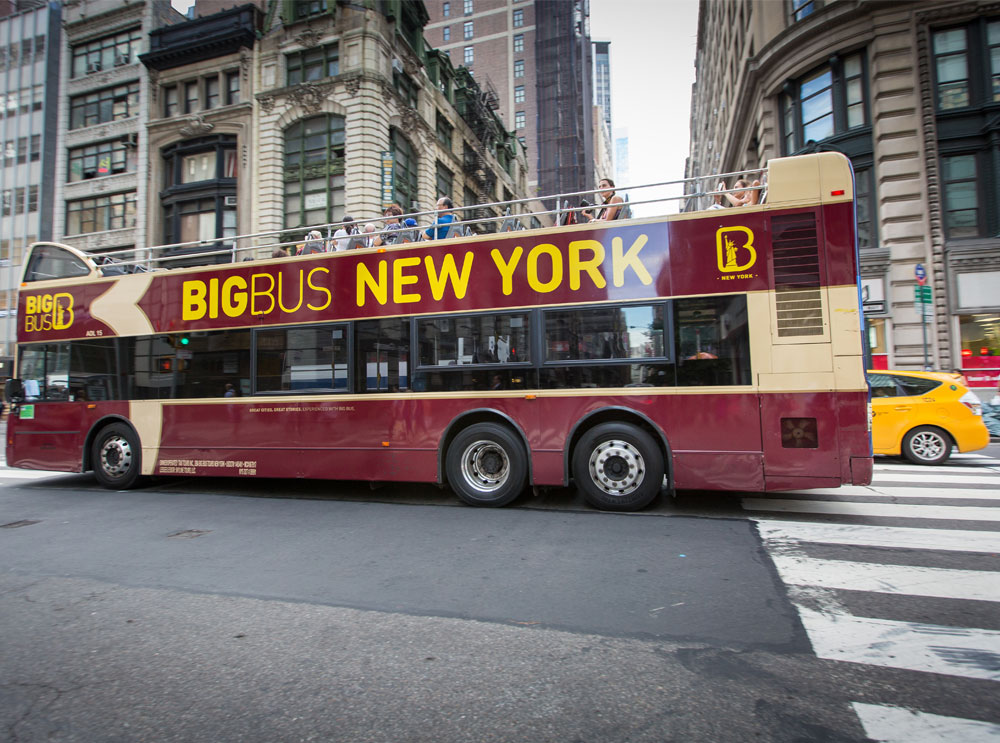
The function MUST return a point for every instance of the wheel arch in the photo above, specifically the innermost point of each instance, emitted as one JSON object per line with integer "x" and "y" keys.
{"x": 470, "y": 417}
{"x": 616, "y": 414}
{"x": 95, "y": 428}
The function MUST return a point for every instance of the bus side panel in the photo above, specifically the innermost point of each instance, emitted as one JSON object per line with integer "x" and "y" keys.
{"x": 50, "y": 440}
{"x": 690, "y": 423}
{"x": 838, "y": 232}
{"x": 855, "y": 438}
{"x": 802, "y": 447}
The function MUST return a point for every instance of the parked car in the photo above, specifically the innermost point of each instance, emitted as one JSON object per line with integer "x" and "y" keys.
{"x": 923, "y": 415}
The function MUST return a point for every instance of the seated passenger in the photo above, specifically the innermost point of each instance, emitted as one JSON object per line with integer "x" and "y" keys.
{"x": 314, "y": 243}
{"x": 342, "y": 236}
{"x": 368, "y": 236}
{"x": 389, "y": 235}
{"x": 439, "y": 229}
{"x": 611, "y": 203}
{"x": 745, "y": 197}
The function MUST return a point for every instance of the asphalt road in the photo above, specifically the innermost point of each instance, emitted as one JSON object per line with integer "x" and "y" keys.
{"x": 181, "y": 613}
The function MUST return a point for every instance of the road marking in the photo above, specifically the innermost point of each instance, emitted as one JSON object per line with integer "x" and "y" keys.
{"x": 907, "y": 492}
{"x": 890, "y": 510}
{"x": 930, "y": 477}
{"x": 956, "y": 651}
{"x": 942, "y": 471}
{"x": 894, "y": 537}
{"x": 16, "y": 474}
{"x": 898, "y": 725}
{"x": 945, "y": 583}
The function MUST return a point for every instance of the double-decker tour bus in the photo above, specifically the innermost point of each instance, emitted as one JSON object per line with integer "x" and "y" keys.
{"x": 717, "y": 349}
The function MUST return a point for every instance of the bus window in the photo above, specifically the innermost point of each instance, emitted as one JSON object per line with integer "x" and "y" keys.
{"x": 713, "y": 343}
{"x": 629, "y": 332}
{"x": 382, "y": 355}
{"x": 188, "y": 365}
{"x": 301, "y": 359}
{"x": 52, "y": 262}
{"x": 92, "y": 370}
{"x": 474, "y": 339}
{"x": 32, "y": 371}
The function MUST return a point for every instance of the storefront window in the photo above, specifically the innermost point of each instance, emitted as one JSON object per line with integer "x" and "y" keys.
{"x": 981, "y": 349}
{"x": 876, "y": 343}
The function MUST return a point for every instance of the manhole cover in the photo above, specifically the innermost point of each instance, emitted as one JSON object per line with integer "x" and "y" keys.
{"x": 16, "y": 524}
{"x": 189, "y": 534}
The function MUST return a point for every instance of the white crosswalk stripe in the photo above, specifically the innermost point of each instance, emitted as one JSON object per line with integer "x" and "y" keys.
{"x": 14, "y": 473}
{"x": 917, "y": 498}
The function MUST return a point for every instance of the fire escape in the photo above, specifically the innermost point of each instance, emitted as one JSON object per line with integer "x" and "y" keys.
{"x": 476, "y": 104}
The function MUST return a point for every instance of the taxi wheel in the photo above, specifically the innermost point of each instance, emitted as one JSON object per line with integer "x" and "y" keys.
{"x": 927, "y": 445}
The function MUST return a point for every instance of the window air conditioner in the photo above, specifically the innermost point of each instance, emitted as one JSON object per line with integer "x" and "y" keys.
{"x": 230, "y": 201}
{"x": 94, "y": 67}
{"x": 123, "y": 59}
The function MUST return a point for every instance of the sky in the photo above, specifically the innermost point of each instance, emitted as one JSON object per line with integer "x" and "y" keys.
{"x": 652, "y": 70}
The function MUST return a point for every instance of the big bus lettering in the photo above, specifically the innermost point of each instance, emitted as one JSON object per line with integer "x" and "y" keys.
{"x": 48, "y": 312}
{"x": 281, "y": 297}
{"x": 555, "y": 257}
{"x": 449, "y": 275}
{"x": 321, "y": 289}
{"x": 592, "y": 266}
{"x": 629, "y": 259}
{"x": 506, "y": 267}
{"x": 269, "y": 293}
{"x": 194, "y": 303}
{"x": 379, "y": 288}
{"x": 399, "y": 280}
{"x": 727, "y": 249}
{"x": 234, "y": 303}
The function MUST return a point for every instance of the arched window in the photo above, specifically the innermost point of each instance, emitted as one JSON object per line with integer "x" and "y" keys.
{"x": 314, "y": 171}
{"x": 405, "y": 179}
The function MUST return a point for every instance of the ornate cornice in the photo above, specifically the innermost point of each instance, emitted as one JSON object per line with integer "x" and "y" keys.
{"x": 196, "y": 126}
{"x": 308, "y": 38}
{"x": 266, "y": 102}
{"x": 310, "y": 96}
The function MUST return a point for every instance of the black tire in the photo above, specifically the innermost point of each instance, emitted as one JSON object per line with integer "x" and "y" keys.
{"x": 486, "y": 465}
{"x": 927, "y": 445}
{"x": 618, "y": 467}
{"x": 116, "y": 457}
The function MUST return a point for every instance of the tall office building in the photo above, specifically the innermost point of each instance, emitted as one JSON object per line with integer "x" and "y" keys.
{"x": 29, "y": 103}
{"x": 910, "y": 93}
{"x": 536, "y": 57}
{"x": 602, "y": 80}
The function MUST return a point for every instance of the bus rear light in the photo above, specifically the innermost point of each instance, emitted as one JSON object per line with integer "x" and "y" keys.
{"x": 799, "y": 433}
{"x": 970, "y": 401}
{"x": 838, "y": 192}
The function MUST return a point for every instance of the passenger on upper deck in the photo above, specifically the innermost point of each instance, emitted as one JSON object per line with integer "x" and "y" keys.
{"x": 342, "y": 237}
{"x": 745, "y": 197}
{"x": 610, "y": 203}
{"x": 314, "y": 243}
{"x": 439, "y": 229}
{"x": 368, "y": 236}
{"x": 389, "y": 235}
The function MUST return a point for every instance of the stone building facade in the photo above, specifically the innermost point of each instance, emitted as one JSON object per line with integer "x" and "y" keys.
{"x": 911, "y": 93}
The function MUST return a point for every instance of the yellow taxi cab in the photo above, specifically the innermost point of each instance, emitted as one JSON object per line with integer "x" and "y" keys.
{"x": 923, "y": 415}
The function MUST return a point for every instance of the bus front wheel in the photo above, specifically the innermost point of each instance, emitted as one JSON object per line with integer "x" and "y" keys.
{"x": 618, "y": 467}
{"x": 117, "y": 457}
{"x": 486, "y": 465}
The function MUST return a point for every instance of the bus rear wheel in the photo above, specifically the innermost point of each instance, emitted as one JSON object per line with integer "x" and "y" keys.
{"x": 618, "y": 467}
{"x": 117, "y": 457}
{"x": 486, "y": 465}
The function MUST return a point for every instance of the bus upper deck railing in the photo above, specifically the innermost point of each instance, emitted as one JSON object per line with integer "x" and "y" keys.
{"x": 695, "y": 193}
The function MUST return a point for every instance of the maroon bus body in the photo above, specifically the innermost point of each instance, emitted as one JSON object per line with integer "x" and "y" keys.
{"x": 712, "y": 440}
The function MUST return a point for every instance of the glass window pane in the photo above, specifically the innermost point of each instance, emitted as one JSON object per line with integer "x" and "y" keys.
{"x": 604, "y": 333}
{"x": 854, "y": 91}
{"x": 951, "y": 68}
{"x": 474, "y": 339}
{"x": 960, "y": 195}
{"x": 954, "y": 95}
{"x": 952, "y": 40}
{"x": 817, "y": 106}
{"x": 302, "y": 359}
{"x": 852, "y": 66}
{"x": 819, "y": 130}
{"x": 816, "y": 83}
{"x": 855, "y": 115}
{"x": 712, "y": 341}
{"x": 959, "y": 167}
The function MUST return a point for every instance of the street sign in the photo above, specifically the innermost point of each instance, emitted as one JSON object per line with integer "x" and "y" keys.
{"x": 922, "y": 294}
{"x": 920, "y": 273}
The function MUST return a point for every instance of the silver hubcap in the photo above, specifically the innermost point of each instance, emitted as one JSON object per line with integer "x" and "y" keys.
{"x": 927, "y": 445}
{"x": 485, "y": 466}
{"x": 617, "y": 467}
{"x": 116, "y": 456}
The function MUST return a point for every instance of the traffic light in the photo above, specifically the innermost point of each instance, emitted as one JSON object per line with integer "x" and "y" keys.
{"x": 165, "y": 364}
